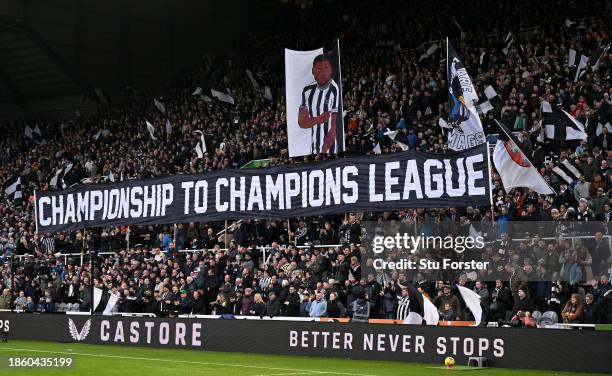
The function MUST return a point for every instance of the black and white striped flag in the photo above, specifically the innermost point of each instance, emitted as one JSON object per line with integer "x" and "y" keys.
{"x": 566, "y": 171}
{"x": 508, "y": 42}
{"x": 579, "y": 61}
{"x": 392, "y": 135}
{"x": 58, "y": 178}
{"x": 200, "y": 148}
{"x": 34, "y": 134}
{"x": 559, "y": 125}
{"x": 492, "y": 101}
{"x": 12, "y": 188}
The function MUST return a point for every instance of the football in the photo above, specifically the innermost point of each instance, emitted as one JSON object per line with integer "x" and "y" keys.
{"x": 449, "y": 362}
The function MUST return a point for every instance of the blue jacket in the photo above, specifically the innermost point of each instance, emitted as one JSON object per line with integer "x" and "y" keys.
{"x": 317, "y": 308}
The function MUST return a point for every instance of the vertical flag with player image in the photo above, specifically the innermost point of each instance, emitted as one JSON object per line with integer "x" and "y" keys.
{"x": 314, "y": 102}
{"x": 466, "y": 129}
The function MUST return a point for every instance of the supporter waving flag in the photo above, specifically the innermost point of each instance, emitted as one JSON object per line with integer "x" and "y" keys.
{"x": 466, "y": 131}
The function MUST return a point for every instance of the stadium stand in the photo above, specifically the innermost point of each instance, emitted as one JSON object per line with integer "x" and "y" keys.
{"x": 277, "y": 267}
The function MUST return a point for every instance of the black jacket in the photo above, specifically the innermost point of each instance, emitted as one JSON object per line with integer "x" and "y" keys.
{"x": 273, "y": 309}
{"x": 293, "y": 308}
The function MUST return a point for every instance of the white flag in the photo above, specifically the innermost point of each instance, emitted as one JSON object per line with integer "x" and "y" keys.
{"x": 160, "y": 106}
{"x": 168, "y": 127}
{"x": 430, "y": 312}
{"x": 97, "y": 296}
{"x": 200, "y": 148}
{"x": 490, "y": 92}
{"x": 100, "y": 95}
{"x": 223, "y": 97}
{"x": 377, "y": 149}
{"x": 197, "y": 91}
{"x": 151, "y": 130}
{"x": 514, "y": 167}
{"x": 28, "y": 132}
{"x": 97, "y": 135}
{"x": 112, "y": 300}
{"x": 472, "y": 301}
{"x": 432, "y": 49}
{"x": 268, "y": 93}
{"x": 252, "y": 79}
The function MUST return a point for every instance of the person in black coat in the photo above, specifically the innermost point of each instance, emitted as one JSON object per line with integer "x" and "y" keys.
{"x": 335, "y": 308}
{"x": 291, "y": 305}
{"x": 258, "y": 308}
{"x": 501, "y": 300}
{"x": 590, "y": 310}
{"x": 523, "y": 303}
{"x": 273, "y": 307}
{"x": 199, "y": 304}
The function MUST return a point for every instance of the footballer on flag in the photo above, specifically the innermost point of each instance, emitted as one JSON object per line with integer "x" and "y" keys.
{"x": 314, "y": 102}
{"x": 466, "y": 129}
{"x": 513, "y": 165}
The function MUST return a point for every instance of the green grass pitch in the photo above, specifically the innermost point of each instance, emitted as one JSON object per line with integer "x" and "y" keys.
{"x": 109, "y": 360}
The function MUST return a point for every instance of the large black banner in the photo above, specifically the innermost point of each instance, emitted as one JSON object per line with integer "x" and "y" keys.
{"x": 377, "y": 183}
{"x": 550, "y": 349}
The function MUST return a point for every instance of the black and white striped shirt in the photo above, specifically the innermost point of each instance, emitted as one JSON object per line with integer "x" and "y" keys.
{"x": 402, "y": 308}
{"x": 318, "y": 100}
{"x": 47, "y": 243}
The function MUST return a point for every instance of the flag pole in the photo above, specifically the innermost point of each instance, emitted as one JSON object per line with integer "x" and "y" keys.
{"x": 490, "y": 183}
{"x": 35, "y": 214}
{"x": 128, "y": 238}
{"x": 289, "y": 230}
{"x": 92, "y": 263}
{"x": 225, "y": 234}
{"x": 174, "y": 238}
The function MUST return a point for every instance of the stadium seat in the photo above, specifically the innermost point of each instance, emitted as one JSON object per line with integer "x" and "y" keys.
{"x": 537, "y": 316}
{"x": 549, "y": 318}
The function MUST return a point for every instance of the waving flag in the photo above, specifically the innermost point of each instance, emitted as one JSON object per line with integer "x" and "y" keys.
{"x": 513, "y": 165}
{"x": 472, "y": 301}
{"x": 466, "y": 131}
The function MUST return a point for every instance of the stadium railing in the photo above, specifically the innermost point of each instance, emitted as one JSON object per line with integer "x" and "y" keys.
{"x": 266, "y": 250}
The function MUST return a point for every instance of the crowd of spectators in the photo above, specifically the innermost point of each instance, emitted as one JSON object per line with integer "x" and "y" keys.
{"x": 386, "y": 87}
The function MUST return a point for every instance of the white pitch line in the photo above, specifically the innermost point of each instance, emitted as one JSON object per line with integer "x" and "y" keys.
{"x": 284, "y": 374}
{"x": 301, "y": 371}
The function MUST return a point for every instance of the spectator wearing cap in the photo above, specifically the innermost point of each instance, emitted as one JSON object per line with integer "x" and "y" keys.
{"x": 524, "y": 302}
{"x": 273, "y": 306}
{"x": 185, "y": 303}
